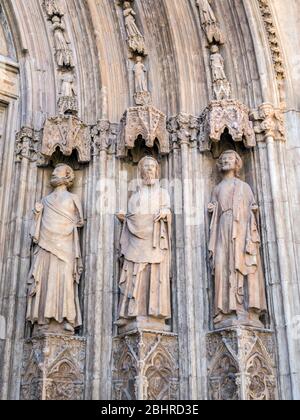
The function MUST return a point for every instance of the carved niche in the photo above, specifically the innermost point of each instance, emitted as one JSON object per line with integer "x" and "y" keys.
{"x": 147, "y": 122}
{"x": 67, "y": 133}
{"x": 241, "y": 365}
{"x": 229, "y": 115}
{"x": 53, "y": 368}
{"x": 146, "y": 366}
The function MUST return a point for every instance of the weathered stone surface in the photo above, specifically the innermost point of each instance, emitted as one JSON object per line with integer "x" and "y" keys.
{"x": 53, "y": 368}
{"x": 234, "y": 249}
{"x": 67, "y": 133}
{"x": 147, "y": 122}
{"x": 145, "y": 244}
{"x": 242, "y": 365}
{"x": 224, "y": 115}
{"x": 53, "y": 281}
{"x": 146, "y": 366}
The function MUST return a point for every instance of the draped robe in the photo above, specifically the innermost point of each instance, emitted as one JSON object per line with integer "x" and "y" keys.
{"x": 235, "y": 249}
{"x": 145, "y": 244}
{"x": 57, "y": 265}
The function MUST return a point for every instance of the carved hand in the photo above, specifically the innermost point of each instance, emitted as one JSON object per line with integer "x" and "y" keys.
{"x": 38, "y": 207}
{"x": 163, "y": 214}
{"x": 211, "y": 207}
{"x": 80, "y": 223}
{"x": 121, "y": 217}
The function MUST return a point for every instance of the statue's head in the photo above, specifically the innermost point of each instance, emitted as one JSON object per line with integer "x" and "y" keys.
{"x": 62, "y": 175}
{"x": 267, "y": 110}
{"x": 149, "y": 170}
{"x": 230, "y": 161}
{"x": 127, "y": 5}
{"x": 139, "y": 59}
{"x": 214, "y": 49}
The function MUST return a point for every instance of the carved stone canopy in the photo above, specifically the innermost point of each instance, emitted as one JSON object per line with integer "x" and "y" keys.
{"x": 67, "y": 133}
{"x": 229, "y": 115}
{"x": 147, "y": 122}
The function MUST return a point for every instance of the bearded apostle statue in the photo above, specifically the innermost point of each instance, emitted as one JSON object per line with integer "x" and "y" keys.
{"x": 145, "y": 298}
{"x": 53, "y": 303}
{"x": 235, "y": 249}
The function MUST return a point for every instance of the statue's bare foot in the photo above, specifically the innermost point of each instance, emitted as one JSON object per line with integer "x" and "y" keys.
{"x": 69, "y": 328}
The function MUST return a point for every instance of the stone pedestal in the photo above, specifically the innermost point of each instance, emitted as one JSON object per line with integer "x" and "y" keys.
{"x": 145, "y": 323}
{"x": 146, "y": 366}
{"x": 241, "y": 364}
{"x": 53, "y": 368}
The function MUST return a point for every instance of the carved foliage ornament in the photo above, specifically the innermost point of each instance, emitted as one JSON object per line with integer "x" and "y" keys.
{"x": 183, "y": 129}
{"x": 27, "y": 145}
{"x": 67, "y": 133}
{"x": 271, "y": 31}
{"x": 104, "y": 137}
{"x": 268, "y": 122}
{"x": 147, "y": 122}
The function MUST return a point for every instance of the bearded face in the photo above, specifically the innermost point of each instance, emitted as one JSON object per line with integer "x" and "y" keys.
{"x": 149, "y": 172}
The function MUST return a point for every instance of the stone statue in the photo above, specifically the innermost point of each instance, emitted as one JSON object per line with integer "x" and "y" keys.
{"x": 221, "y": 85}
{"x": 53, "y": 302}
{"x": 68, "y": 96}
{"x": 217, "y": 64}
{"x": 64, "y": 54}
{"x": 206, "y": 12}
{"x": 142, "y": 95}
{"x": 140, "y": 71}
{"x": 235, "y": 249}
{"x": 53, "y": 8}
{"x": 135, "y": 38}
{"x": 209, "y": 22}
{"x": 145, "y": 299}
{"x": 68, "y": 87}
